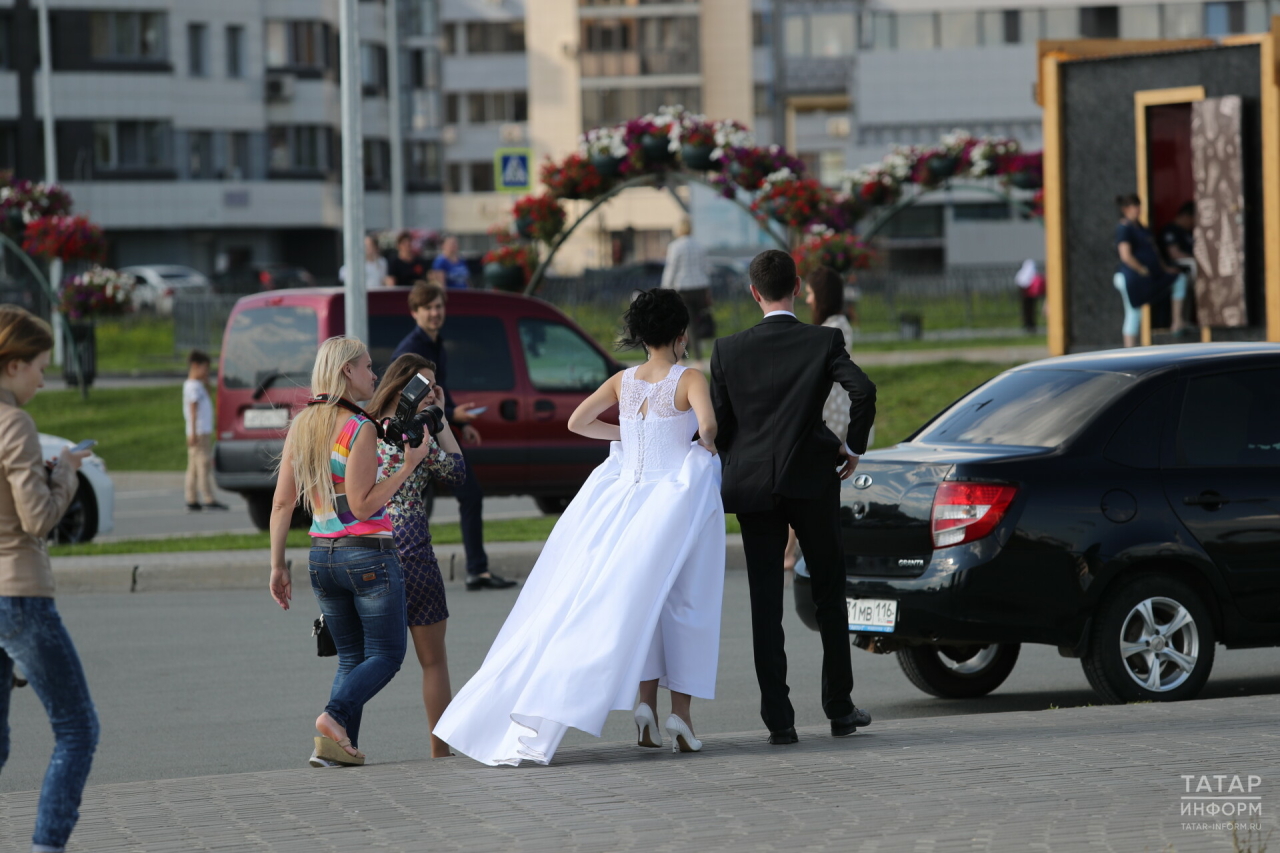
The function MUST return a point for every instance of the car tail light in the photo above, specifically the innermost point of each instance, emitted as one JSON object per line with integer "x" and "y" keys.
{"x": 168, "y": 291}
{"x": 264, "y": 278}
{"x": 966, "y": 512}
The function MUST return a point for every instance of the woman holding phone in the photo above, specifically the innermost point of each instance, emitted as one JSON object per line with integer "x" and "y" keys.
{"x": 423, "y": 585}
{"x": 330, "y": 460}
{"x": 33, "y": 498}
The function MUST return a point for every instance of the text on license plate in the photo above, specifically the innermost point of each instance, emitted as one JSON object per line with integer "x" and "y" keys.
{"x": 266, "y": 418}
{"x": 872, "y": 614}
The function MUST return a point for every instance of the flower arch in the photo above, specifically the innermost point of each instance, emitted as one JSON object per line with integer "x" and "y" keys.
{"x": 673, "y": 146}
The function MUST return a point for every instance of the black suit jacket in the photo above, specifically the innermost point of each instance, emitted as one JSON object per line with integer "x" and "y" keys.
{"x": 769, "y": 384}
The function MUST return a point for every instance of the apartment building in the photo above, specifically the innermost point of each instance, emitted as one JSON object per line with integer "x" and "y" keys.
{"x": 207, "y": 133}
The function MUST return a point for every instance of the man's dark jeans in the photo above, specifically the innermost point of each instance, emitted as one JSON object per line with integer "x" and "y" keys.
{"x": 33, "y": 637}
{"x": 361, "y": 594}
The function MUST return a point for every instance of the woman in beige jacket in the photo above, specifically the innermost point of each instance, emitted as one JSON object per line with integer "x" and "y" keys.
{"x": 33, "y": 497}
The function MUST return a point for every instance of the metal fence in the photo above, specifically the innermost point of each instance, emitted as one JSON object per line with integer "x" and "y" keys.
{"x": 199, "y": 320}
{"x": 959, "y": 303}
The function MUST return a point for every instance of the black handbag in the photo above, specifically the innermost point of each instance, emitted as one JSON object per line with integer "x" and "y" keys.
{"x": 325, "y": 647}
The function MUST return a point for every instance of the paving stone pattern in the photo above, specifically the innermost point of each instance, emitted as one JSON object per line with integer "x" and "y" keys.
{"x": 1084, "y": 779}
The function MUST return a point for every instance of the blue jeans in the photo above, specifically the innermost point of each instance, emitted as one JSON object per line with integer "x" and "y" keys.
{"x": 361, "y": 594}
{"x": 32, "y": 636}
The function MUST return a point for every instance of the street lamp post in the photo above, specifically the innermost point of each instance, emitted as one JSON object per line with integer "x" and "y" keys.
{"x": 357, "y": 307}
{"x": 50, "y": 161}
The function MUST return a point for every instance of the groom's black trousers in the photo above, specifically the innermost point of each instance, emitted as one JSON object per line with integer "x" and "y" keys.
{"x": 764, "y": 537}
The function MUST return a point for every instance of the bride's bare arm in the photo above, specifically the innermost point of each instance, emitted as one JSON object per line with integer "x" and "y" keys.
{"x": 698, "y": 392}
{"x": 584, "y": 421}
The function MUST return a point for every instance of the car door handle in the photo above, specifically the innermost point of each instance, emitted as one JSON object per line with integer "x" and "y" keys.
{"x": 544, "y": 410}
{"x": 1209, "y": 500}
{"x": 509, "y": 409}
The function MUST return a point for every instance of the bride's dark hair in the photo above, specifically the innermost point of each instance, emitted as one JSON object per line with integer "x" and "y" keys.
{"x": 655, "y": 318}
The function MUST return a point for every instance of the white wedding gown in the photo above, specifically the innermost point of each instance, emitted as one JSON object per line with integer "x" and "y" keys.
{"x": 628, "y": 588}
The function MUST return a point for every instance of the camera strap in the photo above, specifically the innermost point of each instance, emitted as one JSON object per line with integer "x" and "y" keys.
{"x": 326, "y": 400}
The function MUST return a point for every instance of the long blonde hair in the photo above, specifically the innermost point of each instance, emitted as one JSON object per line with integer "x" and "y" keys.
{"x": 311, "y": 433}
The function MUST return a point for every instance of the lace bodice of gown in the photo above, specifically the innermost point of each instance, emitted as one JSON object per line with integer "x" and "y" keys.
{"x": 654, "y": 438}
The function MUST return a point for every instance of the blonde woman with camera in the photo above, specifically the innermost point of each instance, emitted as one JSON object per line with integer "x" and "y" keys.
{"x": 331, "y": 463}
{"x": 423, "y": 585}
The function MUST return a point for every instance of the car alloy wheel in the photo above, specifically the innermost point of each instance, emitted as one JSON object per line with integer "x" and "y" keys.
{"x": 1159, "y": 644}
{"x": 1152, "y": 640}
{"x": 968, "y": 660}
{"x": 958, "y": 671}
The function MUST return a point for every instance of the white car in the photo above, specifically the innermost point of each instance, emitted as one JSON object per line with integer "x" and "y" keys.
{"x": 93, "y": 509}
{"x": 156, "y": 285}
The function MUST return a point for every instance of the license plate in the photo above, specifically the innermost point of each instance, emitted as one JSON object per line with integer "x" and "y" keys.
{"x": 872, "y": 614}
{"x": 266, "y": 418}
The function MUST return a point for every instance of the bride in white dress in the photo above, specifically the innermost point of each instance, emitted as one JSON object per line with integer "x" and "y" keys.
{"x": 628, "y": 587}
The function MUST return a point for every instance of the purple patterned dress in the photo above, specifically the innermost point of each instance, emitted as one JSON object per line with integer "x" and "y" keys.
{"x": 423, "y": 585}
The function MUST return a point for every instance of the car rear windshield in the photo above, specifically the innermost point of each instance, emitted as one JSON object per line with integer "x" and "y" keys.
{"x": 1028, "y": 408}
{"x": 272, "y": 346}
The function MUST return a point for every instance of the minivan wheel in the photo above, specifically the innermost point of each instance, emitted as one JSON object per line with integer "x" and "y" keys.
{"x": 958, "y": 672}
{"x": 1152, "y": 641}
{"x": 260, "y": 512}
{"x": 80, "y": 522}
{"x": 552, "y": 504}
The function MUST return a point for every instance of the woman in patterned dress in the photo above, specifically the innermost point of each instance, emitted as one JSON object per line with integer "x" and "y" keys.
{"x": 424, "y": 587}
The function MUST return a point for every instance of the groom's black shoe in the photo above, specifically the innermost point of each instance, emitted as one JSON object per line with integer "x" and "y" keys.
{"x": 787, "y": 735}
{"x": 847, "y": 725}
{"x": 491, "y": 581}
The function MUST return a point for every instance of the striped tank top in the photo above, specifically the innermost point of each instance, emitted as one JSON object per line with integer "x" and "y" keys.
{"x": 332, "y": 522}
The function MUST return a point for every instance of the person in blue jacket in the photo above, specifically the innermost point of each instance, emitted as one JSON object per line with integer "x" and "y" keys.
{"x": 1143, "y": 274}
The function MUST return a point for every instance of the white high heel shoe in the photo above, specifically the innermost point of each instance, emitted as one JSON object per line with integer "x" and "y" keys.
{"x": 647, "y": 731}
{"x": 682, "y": 736}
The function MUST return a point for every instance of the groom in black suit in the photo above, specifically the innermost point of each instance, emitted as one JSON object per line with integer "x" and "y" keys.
{"x": 783, "y": 466}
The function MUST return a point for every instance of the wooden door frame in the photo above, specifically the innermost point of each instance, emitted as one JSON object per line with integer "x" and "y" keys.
{"x": 1141, "y": 100}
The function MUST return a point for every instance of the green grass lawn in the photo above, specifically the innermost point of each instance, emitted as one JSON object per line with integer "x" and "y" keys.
{"x": 503, "y": 530}
{"x": 138, "y": 429}
{"x": 138, "y": 343}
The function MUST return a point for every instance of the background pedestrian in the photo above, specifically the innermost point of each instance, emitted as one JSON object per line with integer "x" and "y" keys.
{"x": 375, "y": 266}
{"x": 197, "y": 412}
{"x": 407, "y": 266}
{"x": 1030, "y": 288}
{"x": 686, "y": 273}
{"x": 33, "y": 499}
{"x": 457, "y": 274}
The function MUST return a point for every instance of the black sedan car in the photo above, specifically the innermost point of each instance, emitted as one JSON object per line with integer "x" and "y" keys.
{"x": 1123, "y": 506}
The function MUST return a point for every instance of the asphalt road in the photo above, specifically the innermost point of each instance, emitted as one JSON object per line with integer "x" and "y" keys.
{"x": 203, "y": 683}
{"x": 151, "y": 505}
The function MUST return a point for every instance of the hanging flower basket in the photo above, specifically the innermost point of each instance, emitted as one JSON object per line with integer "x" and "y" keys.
{"x": 97, "y": 292}
{"x": 538, "y": 217}
{"x": 502, "y": 277}
{"x": 941, "y": 166}
{"x": 841, "y": 252}
{"x": 23, "y": 202}
{"x": 655, "y": 149}
{"x": 508, "y": 267}
{"x": 574, "y": 178}
{"x": 71, "y": 238}
{"x": 698, "y": 157}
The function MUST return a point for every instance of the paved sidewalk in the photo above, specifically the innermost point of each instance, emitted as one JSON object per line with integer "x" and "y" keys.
{"x": 1096, "y": 779}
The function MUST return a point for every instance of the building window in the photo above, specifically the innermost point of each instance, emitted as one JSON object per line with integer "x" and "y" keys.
{"x": 981, "y": 212}
{"x": 424, "y": 68}
{"x": 8, "y": 148}
{"x": 422, "y": 162}
{"x": 832, "y": 35}
{"x": 377, "y": 164}
{"x": 477, "y": 108}
{"x": 497, "y": 107}
{"x": 298, "y": 44}
{"x": 235, "y": 52}
{"x": 1064, "y": 23}
{"x": 762, "y": 98}
{"x": 197, "y": 50}
{"x": 957, "y": 30}
{"x": 481, "y": 177}
{"x": 1012, "y": 26}
{"x": 795, "y": 35}
{"x": 611, "y": 106}
{"x": 420, "y": 17}
{"x": 916, "y": 31}
{"x": 299, "y": 148}
{"x": 6, "y": 49}
{"x": 128, "y": 36}
{"x": 451, "y": 109}
{"x": 131, "y": 145}
{"x": 878, "y": 31}
{"x": 495, "y": 37}
{"x": 1140, "y": 22}
{"x": 200, "y": 154}
{"x": 449, "y": 32}
{"x": 1183, "y": 20}
{"x": 453, "y": 178}
{"x": 1224, "y": 19}
{"x": 1101, "y": 22}
{"x": 373, "y": 68}
{"x": 762, "y": 29}
{"x": 238, "y": 156}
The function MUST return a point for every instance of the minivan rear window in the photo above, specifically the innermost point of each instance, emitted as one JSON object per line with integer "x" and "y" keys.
{"x": 1028, "y": 408}
{"x": 276, "y": 345}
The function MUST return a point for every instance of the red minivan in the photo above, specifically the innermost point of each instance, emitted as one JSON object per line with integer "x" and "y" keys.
{"x": 520, "y": 357}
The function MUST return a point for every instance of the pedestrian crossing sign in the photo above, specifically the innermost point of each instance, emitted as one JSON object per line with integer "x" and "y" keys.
{"x": 511, "y": 172}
